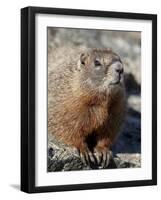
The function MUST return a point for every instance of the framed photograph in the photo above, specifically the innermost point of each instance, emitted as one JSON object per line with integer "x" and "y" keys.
{"x": 88, "y": 99}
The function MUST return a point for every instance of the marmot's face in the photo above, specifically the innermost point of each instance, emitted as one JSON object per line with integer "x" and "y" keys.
{"x": 101, "y": 69}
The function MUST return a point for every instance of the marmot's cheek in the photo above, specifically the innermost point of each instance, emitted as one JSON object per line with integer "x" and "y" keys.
{"x": 106, "y": 82}
{"x": 122, "y": 78}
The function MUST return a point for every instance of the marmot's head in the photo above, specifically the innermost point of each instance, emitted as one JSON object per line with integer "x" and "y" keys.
{"x": 101, "y": 69}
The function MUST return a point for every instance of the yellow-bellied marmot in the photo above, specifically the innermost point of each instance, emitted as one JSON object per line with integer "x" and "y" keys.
{"x": 86, "y": 100}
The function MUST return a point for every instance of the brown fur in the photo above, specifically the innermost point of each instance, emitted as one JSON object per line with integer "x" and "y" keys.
{"x": 78, "y": 116}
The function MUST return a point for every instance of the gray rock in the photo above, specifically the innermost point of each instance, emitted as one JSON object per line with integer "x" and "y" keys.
{"x": 126, "y": 160}
{"x": 62, "y": 158}
{"x": 134, "y": 102}
{"x": 130, "y": 138}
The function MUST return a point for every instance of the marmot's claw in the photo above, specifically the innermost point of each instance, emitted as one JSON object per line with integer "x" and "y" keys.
{"x": 87, "y": 158}
{"x": 91, "y": 157}
{"x": 98, "y": 156}
{"x": 83, "y": 158}
{"x": 106, "y": 159}
{"x": 103, "y": 157}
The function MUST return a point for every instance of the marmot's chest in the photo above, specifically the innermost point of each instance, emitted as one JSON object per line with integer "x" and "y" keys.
{"x": 84, "y": 115}
{"x": 94, "y": 116}
{"x": 98, "y": 113}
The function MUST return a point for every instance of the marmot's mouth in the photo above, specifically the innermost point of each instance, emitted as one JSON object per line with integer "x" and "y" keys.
{"x": 115, "y": 83}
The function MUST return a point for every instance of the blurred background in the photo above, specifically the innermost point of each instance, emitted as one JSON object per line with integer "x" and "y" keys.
{"x": 128, "y": 46}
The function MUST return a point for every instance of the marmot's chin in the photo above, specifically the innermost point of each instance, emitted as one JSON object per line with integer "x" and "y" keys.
{"x": 111, "y": 84}
{"x": 113, "y": 87}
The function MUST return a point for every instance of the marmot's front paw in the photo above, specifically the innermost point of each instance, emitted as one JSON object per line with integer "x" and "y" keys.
{"x": 103, "y": 155}
{"x": 86, "y": 155}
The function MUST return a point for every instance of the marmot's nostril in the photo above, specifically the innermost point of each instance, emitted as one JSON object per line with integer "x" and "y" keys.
{"x": 120, "y": 70}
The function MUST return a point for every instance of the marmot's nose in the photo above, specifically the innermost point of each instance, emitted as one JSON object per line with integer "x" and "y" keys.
{"x": 120, "y": 71}
{"x": 119, "y": 68}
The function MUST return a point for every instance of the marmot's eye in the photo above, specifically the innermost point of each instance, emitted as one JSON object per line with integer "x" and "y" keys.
{"x": 97, "y": 63}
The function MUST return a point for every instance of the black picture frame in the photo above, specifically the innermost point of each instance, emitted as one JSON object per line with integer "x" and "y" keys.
{"x": 28, "y": 98}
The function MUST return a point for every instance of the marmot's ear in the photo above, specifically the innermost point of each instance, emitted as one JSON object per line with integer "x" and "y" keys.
{"x": 83, "y": 60}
